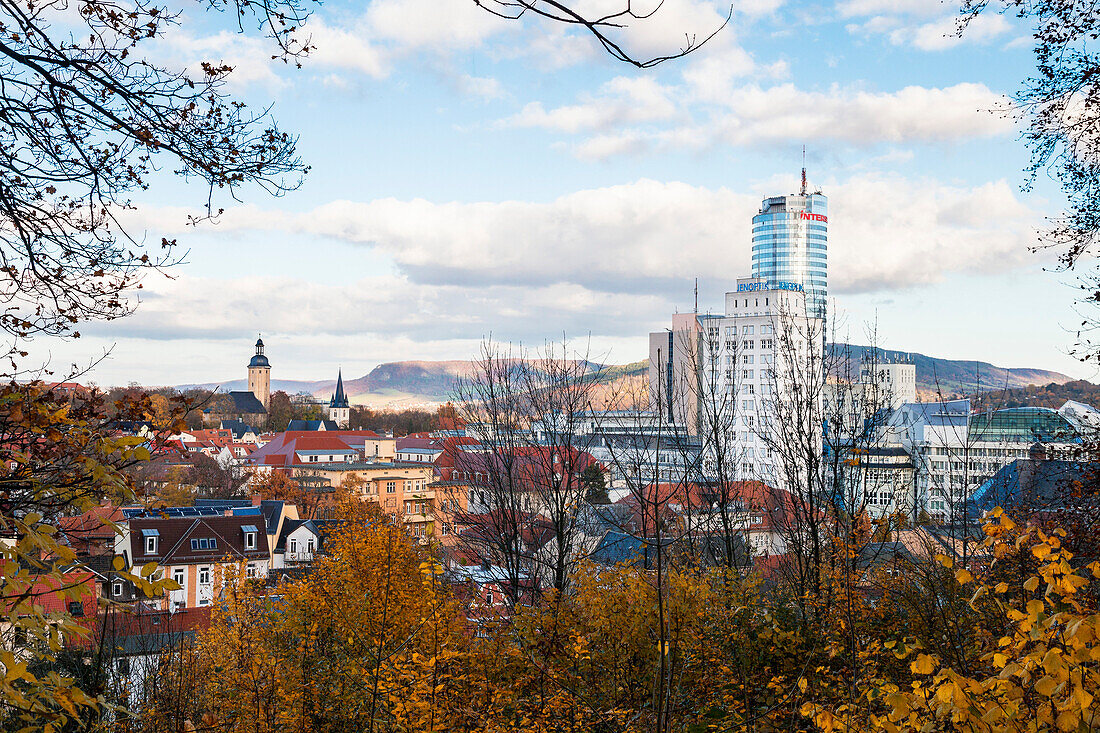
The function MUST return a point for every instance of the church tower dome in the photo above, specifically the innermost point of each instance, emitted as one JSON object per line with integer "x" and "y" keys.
{"x": 259, "y": 375}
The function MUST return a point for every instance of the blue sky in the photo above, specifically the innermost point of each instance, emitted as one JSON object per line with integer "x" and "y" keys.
{"x": 474, "y": 176}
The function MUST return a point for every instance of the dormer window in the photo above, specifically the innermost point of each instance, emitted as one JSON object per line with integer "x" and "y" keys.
{"x": 152, "y": 538}
{"x": 250, "y": 533}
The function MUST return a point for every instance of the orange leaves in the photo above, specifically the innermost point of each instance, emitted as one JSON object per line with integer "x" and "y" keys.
{"x": 923, "y": 664}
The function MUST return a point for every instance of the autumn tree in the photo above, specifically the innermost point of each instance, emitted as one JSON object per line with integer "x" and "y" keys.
{"x": 60, "y": 457}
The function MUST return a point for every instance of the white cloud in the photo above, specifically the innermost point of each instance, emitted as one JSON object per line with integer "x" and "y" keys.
{"x": 922, "y": 8}
{"x": 352, "y": 49}
{"x": 623, "y": 100}
{"x": 432, "y": 24}
{"x": 651, "y": 237}
{"x": 481, "y": 86}
{"x": 250, "y": 57}
{"x": 928, "y": 25}
{"x": 943, "y": 33}
{"x": 616, "y": 116}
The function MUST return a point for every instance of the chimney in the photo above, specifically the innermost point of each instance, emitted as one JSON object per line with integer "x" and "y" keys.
{"x": 256, "y": 499}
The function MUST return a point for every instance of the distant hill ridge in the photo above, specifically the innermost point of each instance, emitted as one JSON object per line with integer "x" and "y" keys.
{"x": 425, "y": 383}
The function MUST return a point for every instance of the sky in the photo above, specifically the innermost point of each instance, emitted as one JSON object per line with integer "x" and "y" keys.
{"x": 474, "y": 177}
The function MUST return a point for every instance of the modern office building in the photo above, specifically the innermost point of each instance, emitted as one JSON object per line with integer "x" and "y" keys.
{"x": 790, "y": 238}
{"x": 729, "y": 363}
{"x": 955, "y": 450}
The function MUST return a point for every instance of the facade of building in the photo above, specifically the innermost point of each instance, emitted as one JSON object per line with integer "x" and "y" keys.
{"x": 746, "y": 358}
{"x": 895, "y": 378}
{"x": 955, "y": 450}
{"x": 196, "y": 552}
{"x": 790, "y": 243}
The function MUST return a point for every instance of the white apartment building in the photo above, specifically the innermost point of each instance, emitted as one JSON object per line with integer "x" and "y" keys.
{"x": 955, "y": 449}
{"x": 735, "y": 369}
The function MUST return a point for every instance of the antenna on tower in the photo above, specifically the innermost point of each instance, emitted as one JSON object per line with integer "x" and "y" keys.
{"x": 803, "y": 170}
{"x": 696, "y": 295}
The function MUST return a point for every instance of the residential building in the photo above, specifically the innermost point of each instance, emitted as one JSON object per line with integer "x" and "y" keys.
{"x": 75, "y": 592}
{"x": 93, "y": 532}
{"x": 196, "y": 551}
{"x": 300, "y": 541}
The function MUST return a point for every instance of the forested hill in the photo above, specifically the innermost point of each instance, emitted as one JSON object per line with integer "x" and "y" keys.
{"x": 1042, "y": 395}
{"x": 425, "y": 383}
{"x": 952, "y": 377}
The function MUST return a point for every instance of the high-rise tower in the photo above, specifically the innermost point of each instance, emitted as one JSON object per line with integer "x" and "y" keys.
{"x": 259, "y": 375}
{"x": 790, "y": 242}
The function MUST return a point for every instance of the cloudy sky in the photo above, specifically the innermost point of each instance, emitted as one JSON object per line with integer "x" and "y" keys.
{"x": 473, "y": 176}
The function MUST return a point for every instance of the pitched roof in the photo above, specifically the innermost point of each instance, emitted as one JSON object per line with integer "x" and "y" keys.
{"x": 92, "y": 524}
{"x": 339, "y": 399}
{"x": 238, "y": 427}
{"x": 47, "y": 594}
{"x": 246, "y": 402}
{"x": 312, "y": 425}
{"x": 175, "y": 535}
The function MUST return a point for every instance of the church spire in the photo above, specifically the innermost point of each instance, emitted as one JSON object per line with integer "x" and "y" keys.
{"x": 339, "y": 399}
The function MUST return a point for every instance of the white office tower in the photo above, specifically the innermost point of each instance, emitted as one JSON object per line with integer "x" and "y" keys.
{"x": 894, "y": 377}
{"x": 731, "y": 379}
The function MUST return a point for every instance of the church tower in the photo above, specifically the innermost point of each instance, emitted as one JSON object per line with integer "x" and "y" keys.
{"x": 339, "y": 411}
{"x": 259, "y": 375}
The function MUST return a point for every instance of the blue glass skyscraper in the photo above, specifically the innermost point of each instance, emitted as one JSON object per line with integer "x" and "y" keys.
{"x": 790, "y": 243}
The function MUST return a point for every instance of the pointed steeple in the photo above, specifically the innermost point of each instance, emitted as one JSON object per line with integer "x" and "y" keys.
{"x": 339, "y": 399}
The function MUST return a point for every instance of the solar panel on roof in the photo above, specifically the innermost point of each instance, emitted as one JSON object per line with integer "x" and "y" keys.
{"x": 150, "y": 533}
{"x": 249, "y": 528}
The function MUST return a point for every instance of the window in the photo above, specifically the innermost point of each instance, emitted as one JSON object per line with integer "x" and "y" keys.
{"x": 204, "y": 575}
{"x": 309, "y": 546}
{"x": 747, "y": 330}
{"x": 213, "y": 544}
{"x": 746, "y": 373}
{"x": 250, "y": 532}
{"x": 489, "y": 598}
{"x": 293, "y": 547}
{"x": 76, "y": 609}
{"x": 391, "y": 487}
{"x": 747, "y": 358}
{"x": 748, "y": 344}
{"x": 250, "y": 570}
{"x": 444, "y": 529}
{"x": 178, "y": 576}
{"x": 747, "y": 389}
{"x": 151, "y": 545}
{"x": 194, "y": 544}
{"x": 204, "y": 544}
{"x": 767, "y": 344}
{"x": 116, "y": 588}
